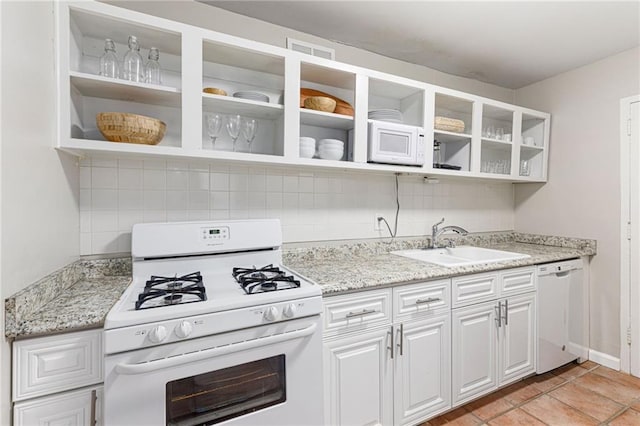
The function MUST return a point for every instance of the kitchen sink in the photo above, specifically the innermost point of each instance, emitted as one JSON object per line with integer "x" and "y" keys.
{"x": 460, "y": 256}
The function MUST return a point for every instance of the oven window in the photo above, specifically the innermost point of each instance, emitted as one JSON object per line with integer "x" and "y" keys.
{"x": 211, "y": 398}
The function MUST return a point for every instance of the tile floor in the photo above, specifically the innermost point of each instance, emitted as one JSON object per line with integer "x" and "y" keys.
{"x": 585, "y": 394}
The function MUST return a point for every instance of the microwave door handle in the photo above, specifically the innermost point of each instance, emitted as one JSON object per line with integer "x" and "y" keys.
{"x": 174, "y": 361}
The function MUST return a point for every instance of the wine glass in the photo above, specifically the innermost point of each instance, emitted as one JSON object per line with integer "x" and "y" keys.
{"x": 233, "y": 127}
{"x": 214, "y": 125}
{"x": 249, "y": 130}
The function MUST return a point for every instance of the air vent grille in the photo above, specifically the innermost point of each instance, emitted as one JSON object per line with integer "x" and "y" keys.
{"x": 310, "y": 49}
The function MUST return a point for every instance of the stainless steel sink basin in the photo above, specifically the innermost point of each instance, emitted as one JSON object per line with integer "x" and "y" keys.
{"x": 460, "y": 256}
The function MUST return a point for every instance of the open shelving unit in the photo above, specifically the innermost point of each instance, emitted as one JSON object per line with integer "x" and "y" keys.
{"x": 194, "y": 58}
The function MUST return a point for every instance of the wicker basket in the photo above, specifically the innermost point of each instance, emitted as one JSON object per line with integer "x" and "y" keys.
{"x": 449, "y": 124}
{"x": 130, "y": 128}
{"x": 214, "y": 91}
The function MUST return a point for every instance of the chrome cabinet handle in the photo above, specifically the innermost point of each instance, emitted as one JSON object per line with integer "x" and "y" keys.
{"x": 94, "y": 398}
{"x": 506, "y": 312}
{"x": 361, "y": 313}
{"x": 391, "y": 348}
{"x": 428, "y": 300}
{"x": 499, "y": 314}
{"x": 401, "y": 338}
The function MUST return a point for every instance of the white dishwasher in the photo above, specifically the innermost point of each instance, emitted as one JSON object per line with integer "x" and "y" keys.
{"x": 560, "y": 313}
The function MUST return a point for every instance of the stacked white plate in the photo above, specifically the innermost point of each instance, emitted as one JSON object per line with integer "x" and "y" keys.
{"x": 307, "y": 147}
{"x": 253, "y": 96}
{"x": 330, "y": 149}
{"x": 392, "y": 115}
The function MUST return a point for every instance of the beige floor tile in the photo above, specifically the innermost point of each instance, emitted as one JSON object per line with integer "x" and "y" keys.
{"x": 570, "y": 371}
{"x": 616, "y": 391}
{"x": 628, "y": 418}
{"x": 461, "y": 417}
{"x": 520, "y": 393}
{"x": 617, "y": 376}
{"x": 587, "y": 401}
{"x": 589, "y": 365}
{"x": 516, "y": 417}
{"x": 489, "y": 406}
{"x": 554, "y": 412}
{"x": 545, "y": 382}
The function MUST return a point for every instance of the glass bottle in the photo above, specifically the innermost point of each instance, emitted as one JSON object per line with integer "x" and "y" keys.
{"x": 109, "y": 61}
{"x": 152, "y": 67}
{"x": 133, "y": 69}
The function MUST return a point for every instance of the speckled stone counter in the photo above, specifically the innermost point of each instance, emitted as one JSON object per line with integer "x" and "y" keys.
{"x": 76, "y": 297}
{"x": 355, "y": 267}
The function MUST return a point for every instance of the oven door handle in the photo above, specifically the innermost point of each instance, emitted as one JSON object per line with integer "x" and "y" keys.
{"x": 177, "y": 360}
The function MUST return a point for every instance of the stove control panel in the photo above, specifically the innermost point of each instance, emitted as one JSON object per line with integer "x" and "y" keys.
{"x": 214, "y": 235}
{"x": 193, "y": 327}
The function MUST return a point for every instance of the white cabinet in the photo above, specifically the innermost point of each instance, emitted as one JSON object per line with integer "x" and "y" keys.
{"x": 359, "y": 379}
{"x": 387, "y": 365}
{"x": 193, "y": 59}
{"x": 422, "y": 370}
{"x": 57, "y": 379}
{"x": 74, "y": 408}
{"x": 494, "y": 342}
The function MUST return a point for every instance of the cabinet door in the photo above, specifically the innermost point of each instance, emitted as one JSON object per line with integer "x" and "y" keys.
{"x": 358, "y": 379}
{"x": 475, "y": 337}
{"x": 422, "y": 370}
{"x": 75, "y": 408}
{"x": 517, "y": 338}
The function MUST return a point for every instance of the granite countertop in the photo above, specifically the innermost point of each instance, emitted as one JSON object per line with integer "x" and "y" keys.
{"x": 350, "y": 268}
{"x": 80, "y": 295}
{"x": 76, "y": 297}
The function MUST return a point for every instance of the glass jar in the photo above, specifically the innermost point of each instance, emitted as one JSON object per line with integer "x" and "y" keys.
{"x": 133, "y": 69}
{"x": 109, "y": 61}
{"x": 152, "y": 67}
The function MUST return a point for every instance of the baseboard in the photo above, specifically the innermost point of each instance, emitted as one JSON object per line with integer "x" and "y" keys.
{"x": 604, "y": 359}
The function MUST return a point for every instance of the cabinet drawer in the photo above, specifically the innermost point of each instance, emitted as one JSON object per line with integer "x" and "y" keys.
{"x": 45, "y": 365}
{"x": 357, "y": 311}
{"x": 421, "y": 299}
{"x": 473, "y": 289}
{"x": 518, "y": 280}
{"x": 80, "y": 407}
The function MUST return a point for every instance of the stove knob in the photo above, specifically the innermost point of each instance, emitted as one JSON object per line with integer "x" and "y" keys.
{"x": 158, "y": 334}
{"x": 271, "y": 314}
{"x": 290, "y": 310}
{"x": 183, "y": 329}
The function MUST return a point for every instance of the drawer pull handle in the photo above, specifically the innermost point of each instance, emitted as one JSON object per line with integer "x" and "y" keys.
{"x": 428, "y": 300}
{"x": 94, "y": 399}
{"x": 361, "y": 313}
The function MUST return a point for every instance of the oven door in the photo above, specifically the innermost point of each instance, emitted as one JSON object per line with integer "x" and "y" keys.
{"x": 268, "y": 375}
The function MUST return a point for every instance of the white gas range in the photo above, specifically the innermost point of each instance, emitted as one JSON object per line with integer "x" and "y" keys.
{"x": 213, "y": 330}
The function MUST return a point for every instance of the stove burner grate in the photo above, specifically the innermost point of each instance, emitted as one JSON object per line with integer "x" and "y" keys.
{"x": 173, "y": 291}
{"x": 260, "y": 280}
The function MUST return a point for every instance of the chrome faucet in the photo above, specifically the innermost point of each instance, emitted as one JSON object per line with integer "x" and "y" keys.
{"x": 436, "y": 232}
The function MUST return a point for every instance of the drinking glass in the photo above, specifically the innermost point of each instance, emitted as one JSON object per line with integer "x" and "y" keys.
{"x": 249, "y": 130}
{"x": 525, "y": 168}
{"x": 214, "y": 125}
{"x": 500, "y": 133}
{"x": 233, "y": 127}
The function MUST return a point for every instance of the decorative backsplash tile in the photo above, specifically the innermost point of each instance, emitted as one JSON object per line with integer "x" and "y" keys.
{"x": 312, "y": 206}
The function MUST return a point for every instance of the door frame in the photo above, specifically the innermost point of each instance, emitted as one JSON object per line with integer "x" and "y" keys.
{"x": 627, "y": 310}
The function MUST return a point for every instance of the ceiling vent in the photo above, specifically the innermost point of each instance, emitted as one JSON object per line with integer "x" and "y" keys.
{"x": 310, "y": 49}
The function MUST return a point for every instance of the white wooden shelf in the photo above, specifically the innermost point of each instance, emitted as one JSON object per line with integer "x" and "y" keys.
{"x": 496, "y": 144}
{"x": 325, "y": 119}
{"x": 531, "y": 148}
{"x": 244, "y": 107}
{"x": 445, "y": 137}
{"x": 97, "y": 86}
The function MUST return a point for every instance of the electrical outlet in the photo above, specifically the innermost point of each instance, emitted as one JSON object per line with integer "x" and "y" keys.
{"x": 377, "y": 224}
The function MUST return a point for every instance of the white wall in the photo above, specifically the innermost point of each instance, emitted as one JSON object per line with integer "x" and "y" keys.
{"x": 39, "y": 213}
{"x": 582, "y": 197}
{"x": 201, "y": 15}
{"x": 312, "y": 206}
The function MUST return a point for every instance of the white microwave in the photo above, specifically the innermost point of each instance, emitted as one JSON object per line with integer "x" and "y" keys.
{"x": 392, "y": 143}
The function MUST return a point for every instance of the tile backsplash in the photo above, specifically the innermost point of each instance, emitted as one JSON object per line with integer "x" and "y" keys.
{"x": 312, "y": 205}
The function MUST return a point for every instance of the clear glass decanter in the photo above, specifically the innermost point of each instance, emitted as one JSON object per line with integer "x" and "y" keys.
{"x": 152, "y": 67}
{"x": 109, "y": 61}
{"x": 133, "y": 69}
